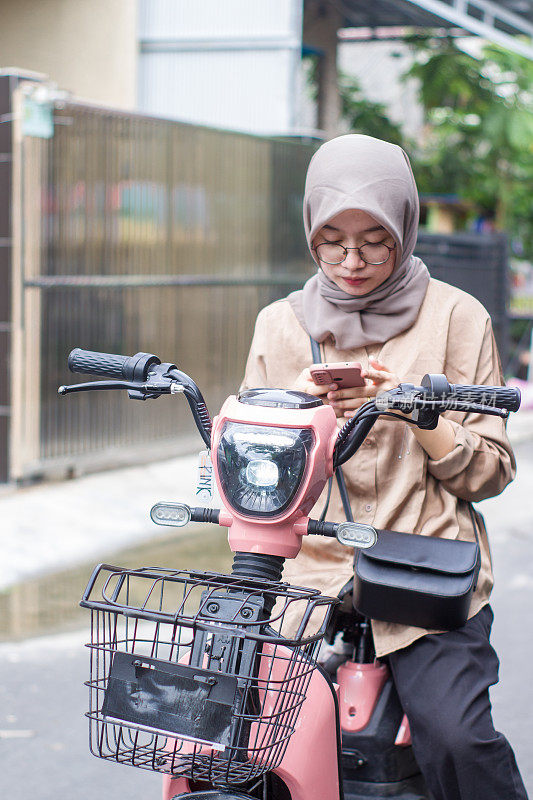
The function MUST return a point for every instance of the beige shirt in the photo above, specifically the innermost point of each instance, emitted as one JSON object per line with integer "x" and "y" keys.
{"x": 391, "y": 481}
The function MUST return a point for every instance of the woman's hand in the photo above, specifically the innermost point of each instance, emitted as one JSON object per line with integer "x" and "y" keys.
{"x": 378, "y": 378}
{"x": 437, "y": 442}
{"x": 305, "y": 383}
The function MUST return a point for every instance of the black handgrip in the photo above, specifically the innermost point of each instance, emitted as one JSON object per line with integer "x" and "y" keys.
{"x": 200, "y": 514}
{"x": 321, "y": 527}
{"x": 91, "y": 363}
{"x": 497, "y": 396}
{"x": 131, "y": 368}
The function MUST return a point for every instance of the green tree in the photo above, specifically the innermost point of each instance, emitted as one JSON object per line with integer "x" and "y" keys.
{"x": 364, "y": 115}
{"x": 478, "y": 139}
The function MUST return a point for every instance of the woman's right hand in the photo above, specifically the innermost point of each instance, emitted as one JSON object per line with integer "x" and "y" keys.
{"x": 305, "y": 383}
{"x": 344, "y": 402}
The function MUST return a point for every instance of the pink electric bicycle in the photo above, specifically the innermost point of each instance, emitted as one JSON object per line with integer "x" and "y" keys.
{"x": 212, "y": 679}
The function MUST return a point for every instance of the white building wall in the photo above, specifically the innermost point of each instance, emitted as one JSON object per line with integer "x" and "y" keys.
{"x": 164, "y": 19}
{"x": 231, "y": 64}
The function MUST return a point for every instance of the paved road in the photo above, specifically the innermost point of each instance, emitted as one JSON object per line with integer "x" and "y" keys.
{"x": 43, "y": 748}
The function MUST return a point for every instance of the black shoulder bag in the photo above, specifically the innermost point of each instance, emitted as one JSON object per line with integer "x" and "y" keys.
{"x": 423, "y": 581}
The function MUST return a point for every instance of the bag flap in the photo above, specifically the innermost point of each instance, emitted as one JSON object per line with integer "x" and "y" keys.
{"x": 447, "y": 556}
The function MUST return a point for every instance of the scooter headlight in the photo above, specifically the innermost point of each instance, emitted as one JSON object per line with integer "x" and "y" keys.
{"x": 262, "y": 473}
{"x": 261, "y": 468}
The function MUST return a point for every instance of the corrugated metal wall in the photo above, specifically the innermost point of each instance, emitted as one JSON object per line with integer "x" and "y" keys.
{"x": 154, "y": 236}
{"x": 234, "y": 64}
{"x": 477, "y": 264}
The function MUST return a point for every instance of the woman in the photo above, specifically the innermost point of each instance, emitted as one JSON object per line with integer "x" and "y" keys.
{"x": 372, "y": 301}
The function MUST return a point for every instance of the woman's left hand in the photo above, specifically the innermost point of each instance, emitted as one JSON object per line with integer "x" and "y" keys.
{"x": 379, "y": 378}
{"x": 437, "y": 442}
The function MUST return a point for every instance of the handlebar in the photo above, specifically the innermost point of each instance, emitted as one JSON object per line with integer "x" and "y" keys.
{"x": 143, "y": 376}
{"x": 435, "y": 388}
{"x": 434, "y": 396}
{"x": 112, "y": 365}
{"x": 497, "y": 396}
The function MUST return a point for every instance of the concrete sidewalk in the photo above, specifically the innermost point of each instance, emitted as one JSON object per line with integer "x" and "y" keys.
{"x": 52, "y": 526}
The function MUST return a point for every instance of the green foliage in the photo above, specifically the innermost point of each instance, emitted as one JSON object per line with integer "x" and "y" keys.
{"x": 366, "y": 116}
{"x": 448, "y": 77}
{"x": 478, "y": 141}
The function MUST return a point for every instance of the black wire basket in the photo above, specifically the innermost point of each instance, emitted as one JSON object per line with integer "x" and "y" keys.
{"x": 196, "y": 674}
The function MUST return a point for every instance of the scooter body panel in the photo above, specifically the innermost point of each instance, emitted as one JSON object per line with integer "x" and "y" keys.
{"x": 360, "y": 686}
{"x": 374, "y": 765}
{"x": 249, "y": 533}
{"x": 174, "y": 787}
{"x": 310, "y": 765}
{"x": 306, "y": 776}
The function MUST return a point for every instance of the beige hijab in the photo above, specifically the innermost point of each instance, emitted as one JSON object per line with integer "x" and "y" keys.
{"x": 360, "y": 172}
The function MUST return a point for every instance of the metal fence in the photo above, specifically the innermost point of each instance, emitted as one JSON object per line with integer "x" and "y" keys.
{"x": 478, "y": 264}
{"x": 140, "y": 233}
{"x": 137, "y": 233}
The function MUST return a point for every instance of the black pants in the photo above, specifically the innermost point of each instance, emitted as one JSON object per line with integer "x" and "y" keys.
{"x": 443, "y": 681}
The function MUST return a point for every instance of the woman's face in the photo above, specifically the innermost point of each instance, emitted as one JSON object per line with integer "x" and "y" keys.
{"x": 354, "y": 228}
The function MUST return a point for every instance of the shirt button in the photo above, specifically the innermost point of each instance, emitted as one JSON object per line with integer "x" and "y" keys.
{"x": 368, "y": 507}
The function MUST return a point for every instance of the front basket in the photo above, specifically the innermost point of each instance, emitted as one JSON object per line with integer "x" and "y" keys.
{"x": 198, "y": 675}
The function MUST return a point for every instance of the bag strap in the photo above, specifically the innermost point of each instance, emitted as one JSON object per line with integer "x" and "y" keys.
{"x": 473, "y": 517}
{"x": 315, "y": 351}
{"x": 344, "y": 494}
{"x": 341, "y": 483}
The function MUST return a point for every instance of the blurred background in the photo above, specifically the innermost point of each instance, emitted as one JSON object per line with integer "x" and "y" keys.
{"x": 152, "y": 159}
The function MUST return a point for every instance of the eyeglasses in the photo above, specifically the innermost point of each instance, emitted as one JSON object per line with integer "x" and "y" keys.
{"x": 333, "y": 253}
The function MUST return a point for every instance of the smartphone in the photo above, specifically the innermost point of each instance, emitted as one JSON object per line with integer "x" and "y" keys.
{"x": 346, "y": 374}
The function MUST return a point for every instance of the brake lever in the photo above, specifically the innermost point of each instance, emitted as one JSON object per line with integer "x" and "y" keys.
{"x": 156, "y": 383}
{"x": 92, "y": 386}
{"x": 136, "y": 391}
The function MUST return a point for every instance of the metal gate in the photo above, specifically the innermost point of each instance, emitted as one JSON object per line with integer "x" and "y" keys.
{"x": 136, "y": 233}
{"x": 478, "y": 264}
